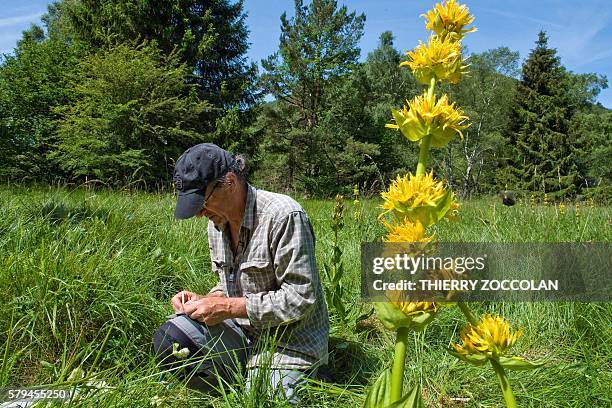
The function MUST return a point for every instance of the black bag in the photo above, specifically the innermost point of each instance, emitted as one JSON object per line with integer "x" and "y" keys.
{"x": 207, "y": 356}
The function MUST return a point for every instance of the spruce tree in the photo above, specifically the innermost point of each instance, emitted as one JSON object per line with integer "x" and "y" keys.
{"x": 542, "y": 156}
{"x": 211, "y": 37}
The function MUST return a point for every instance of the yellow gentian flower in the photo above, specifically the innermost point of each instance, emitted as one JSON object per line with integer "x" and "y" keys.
{"x": 492, "y": 337}
{"x": 418, "y": 199}
{"x": 439, "y": 58}
{"x": 429, "y": 116}
{"x": 400, "y": 312}
{"x": 449, "y": 20}
{"x": 406, "y": 231}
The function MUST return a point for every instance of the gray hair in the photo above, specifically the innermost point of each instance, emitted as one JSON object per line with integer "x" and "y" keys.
{"x": 239, "y": 168}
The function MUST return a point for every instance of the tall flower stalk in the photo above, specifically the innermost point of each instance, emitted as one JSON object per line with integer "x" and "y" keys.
{"x": 413, "y": 203}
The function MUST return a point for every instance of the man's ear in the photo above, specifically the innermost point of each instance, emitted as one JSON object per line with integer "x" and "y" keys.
{"x": 231, "y": 181}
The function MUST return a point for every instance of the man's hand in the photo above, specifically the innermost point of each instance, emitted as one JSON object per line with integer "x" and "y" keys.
{"x": 216, "y": 293}
{"x": 183, "y": 295}
{"x": 190, "y": 296}
{"x": 212, "y": 310}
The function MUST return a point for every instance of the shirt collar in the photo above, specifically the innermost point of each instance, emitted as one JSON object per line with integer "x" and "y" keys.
{"x": 250, "y": 208}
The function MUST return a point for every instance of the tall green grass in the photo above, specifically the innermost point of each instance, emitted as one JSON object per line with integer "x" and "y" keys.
{"x": 86, "y": 277}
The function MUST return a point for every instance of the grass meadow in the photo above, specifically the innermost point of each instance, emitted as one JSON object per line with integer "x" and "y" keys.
{"x": 86, "y": 277}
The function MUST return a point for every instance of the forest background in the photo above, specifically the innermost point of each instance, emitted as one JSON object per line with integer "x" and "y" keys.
{"x": 111, "y": 92}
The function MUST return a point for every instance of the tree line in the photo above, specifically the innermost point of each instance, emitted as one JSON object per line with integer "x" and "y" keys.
{"x": 115, "y": 90}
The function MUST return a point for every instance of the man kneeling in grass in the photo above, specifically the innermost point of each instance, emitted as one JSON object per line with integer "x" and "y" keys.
{"x": 267, "y": 313}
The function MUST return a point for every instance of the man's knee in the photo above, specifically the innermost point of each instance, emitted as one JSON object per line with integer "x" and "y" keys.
{"x": 190, "y": 348}
{"x": 172, "y": 346}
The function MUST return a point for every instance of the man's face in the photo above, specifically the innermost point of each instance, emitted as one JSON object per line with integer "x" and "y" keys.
{"x": 214, "y": 209}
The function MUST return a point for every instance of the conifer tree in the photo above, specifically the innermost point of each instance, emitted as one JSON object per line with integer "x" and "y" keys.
{"x": 211, "y": 37}
{"x": 318, "y": 48}
{"x": 542, "y": 157}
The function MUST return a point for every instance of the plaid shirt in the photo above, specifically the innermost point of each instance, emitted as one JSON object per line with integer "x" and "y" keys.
{"x": 275, "y": 269}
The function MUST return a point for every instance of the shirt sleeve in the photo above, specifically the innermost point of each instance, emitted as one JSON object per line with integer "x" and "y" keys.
{"x": 292, "y": 244}
{"x": 217, "y": 288}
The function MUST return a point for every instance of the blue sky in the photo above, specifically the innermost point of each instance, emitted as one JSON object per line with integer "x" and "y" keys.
{"x": 580, "y": 31}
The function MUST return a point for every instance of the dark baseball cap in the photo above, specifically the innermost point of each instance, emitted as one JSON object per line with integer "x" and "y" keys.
{"x": 194, "y": 170}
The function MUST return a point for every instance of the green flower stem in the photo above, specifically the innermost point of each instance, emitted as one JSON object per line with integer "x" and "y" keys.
{"x": 468, "y": 313}
{"x": 399, "y": 360}
{"x": 423, "y": 153}
{"x": 432, "y": 87}
{"x": 425, "y": 142}
{"x": 505, "y": 384}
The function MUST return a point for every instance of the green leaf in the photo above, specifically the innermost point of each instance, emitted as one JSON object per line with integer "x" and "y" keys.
{"x": 338, "y": 274}
{"x": 337, "y": 256}
{"x": 338, "y": 305}
{"x": 519, "y": 363}
{"x": 393, "y": 318}
{"x": 475, "y": 359}
{"x": 328, "y": 271}
{"x": 412, "y": 399}
{"x": 379, "y": 394}
{"x": 429, "y": 215}
{"x": 46, "y": 364}
{"x": 369, "y": 312}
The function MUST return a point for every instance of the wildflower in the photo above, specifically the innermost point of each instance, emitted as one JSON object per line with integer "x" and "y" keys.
{"x": 156, "y": 401}
{"x": 399, "y": 312}
{"x": 449, "y": 19}
{"x": 489, "y": 341}
{"x": 562, "y": 208}
{"x": 180, "y": 354}
{"x": 406, "y": 231}
{"x": 418, "y": 198}
{"x": 424, "y": 116}
{"x": 443, "y": 275}
{"x": 337, "y": 218}
{"x": 439, "y": 58}
{"x": 591, "y": 202}
{"x": 492, "y": 337}
{"x": 406, "y": 237}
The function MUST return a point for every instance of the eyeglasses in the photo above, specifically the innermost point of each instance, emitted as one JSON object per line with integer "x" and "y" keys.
{"x": 210, "y": 194}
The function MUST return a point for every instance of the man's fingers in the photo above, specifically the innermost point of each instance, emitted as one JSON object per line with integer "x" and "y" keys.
{"x": 190, "y": 307}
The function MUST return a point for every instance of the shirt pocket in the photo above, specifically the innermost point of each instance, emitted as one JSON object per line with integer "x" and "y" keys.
{"x": 223, "y": 270}
{"x": 257, "y": 275}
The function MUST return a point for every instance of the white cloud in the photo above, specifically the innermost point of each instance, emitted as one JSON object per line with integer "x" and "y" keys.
{"x": 577, "y": 41}
{"x": 509, "y": 14}
{"x": 11, "y": 21}
{"x": 597, "y": 56}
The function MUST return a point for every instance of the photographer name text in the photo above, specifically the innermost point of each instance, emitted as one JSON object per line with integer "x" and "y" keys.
{"x": 467, "y": 285}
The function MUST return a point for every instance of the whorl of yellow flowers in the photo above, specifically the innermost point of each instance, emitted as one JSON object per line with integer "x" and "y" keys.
{"x": 399, "y": 311}
{"x": 418, "y": 199}
{"x": 439, "y": 58}
{"x": 492, "y": 337}
{"x": 449, "y": 20}
{"x": 406, "y": 231}
{"x": 411, "y": 308}
{"x": 427, "y": 115}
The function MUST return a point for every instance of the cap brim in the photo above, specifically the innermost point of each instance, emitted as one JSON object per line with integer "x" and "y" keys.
{"x": 188, "y": 204}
